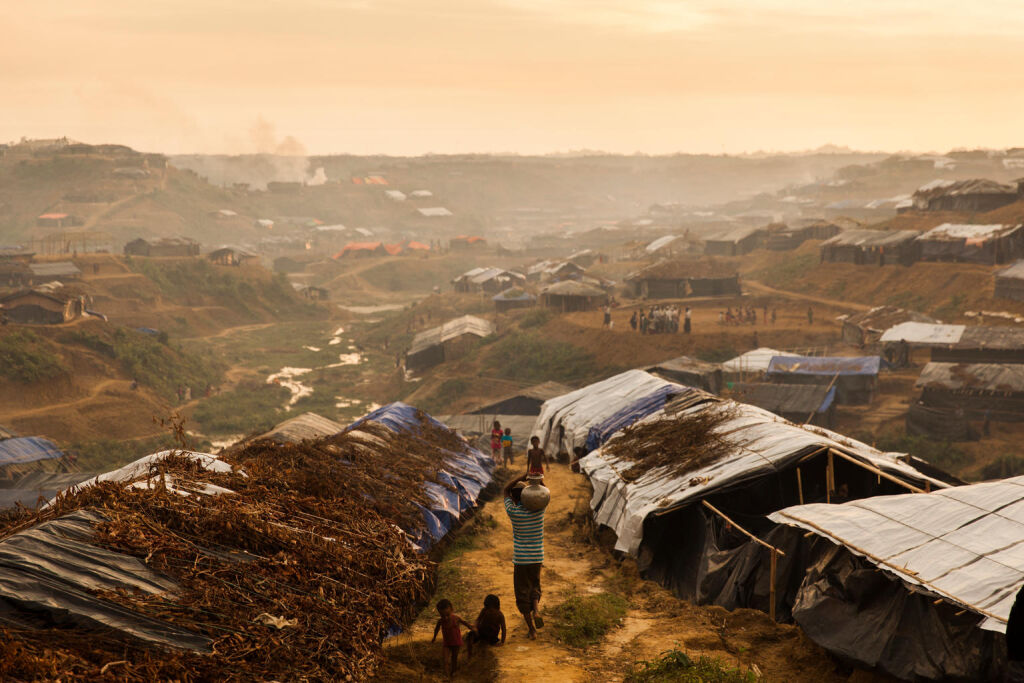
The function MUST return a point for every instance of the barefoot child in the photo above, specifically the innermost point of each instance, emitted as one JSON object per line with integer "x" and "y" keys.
{"x": 490, "y": 624}
{"x": 535, "y": 457}
{"x": 451, "y": 635}
{"x": 506, "y": 447}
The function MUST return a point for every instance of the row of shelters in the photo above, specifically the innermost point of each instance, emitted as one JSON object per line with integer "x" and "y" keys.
{"x": 957, "y": 242}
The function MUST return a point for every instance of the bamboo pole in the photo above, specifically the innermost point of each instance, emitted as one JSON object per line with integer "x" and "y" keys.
{"x": 800, "y": 485}
{"x": 829, "y": 478}
{"x": 877, "y": 471}
{"x": 771, "y": 589}
{"x": 827, "y": 389}
{"x": 741, "y": 529}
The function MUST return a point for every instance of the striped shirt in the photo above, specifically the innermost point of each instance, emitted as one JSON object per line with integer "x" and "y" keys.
{"x": 527, "y": 533}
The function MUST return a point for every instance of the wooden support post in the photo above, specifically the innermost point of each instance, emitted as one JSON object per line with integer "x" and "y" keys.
{"x": 829, "y": 477}
{"x": 771, "y": 590}
{"x": 800, "y": 485}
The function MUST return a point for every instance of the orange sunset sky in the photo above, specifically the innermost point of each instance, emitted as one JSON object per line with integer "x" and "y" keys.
{"x": 526, "y": 76}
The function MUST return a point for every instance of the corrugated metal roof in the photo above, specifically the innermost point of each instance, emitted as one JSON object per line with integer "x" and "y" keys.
{"x": 993, "y": 377}
{"x": 824, "y": 365}
{"x": 924, "y": 334}
{"x": 467, "y": 324}
{"x": 964, "y": 187}
{"x": 968, "y": 231}
{"x": 1001, "y": 338}
{"x": 763, "y": 444}
{"x": 732, "y": 235}
{"x": 965, "y": 544}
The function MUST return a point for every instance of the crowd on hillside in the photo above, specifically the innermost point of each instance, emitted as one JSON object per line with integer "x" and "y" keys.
{"x": 660, "y": 320}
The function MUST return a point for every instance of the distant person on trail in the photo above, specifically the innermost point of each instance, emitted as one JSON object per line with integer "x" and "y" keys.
{"x": 451, "y": 635}
{"x": 607, "y": 316}
{"x": 535, "y": 457}
{"x": 810, "y": 315}
{"x": 686, "y": 320}
{"x": 527, "y": 554}
{"x": 506, "y": 447}
{"x": 496, "y": 435}
{"x": 633, "y": 321}
{"x": 757, "y": 343}
{"x": 774, "y": 310}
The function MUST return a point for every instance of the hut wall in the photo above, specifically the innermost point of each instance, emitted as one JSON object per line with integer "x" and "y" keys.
{"x": 1009, "y": 288}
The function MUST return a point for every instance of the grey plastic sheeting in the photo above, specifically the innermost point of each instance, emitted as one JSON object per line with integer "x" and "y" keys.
{"x": 763, "y": 444}
{"x": 584, "y": 408}
{"x": 964, "y": 543}
{"x": 48, "y": 575}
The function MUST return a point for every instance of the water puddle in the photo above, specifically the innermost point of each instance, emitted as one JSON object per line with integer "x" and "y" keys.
{"x": 314, "y": 349}
{"x": 285, "y": 377}
{"x": 365, "y": 310}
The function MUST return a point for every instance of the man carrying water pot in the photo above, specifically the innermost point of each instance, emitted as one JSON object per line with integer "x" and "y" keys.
{"x": 527, "y": 553}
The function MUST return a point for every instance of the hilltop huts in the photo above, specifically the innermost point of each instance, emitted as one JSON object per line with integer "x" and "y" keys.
{"x": 867, "y": 327}
{"x": 545, "y": 271}
{"x": 799, "y": 403}
{"x": 682, "y": 487}
{"x": 690, "y": 372}
{"x": 490, "y": 280}
{"x": 855, "y": 379}
{"x": 163, "y": 247}
{"x": 361, "y": 250}
{"x": 32, "y": 307}
{"x": 968, "y": 243}
{"x": 750, "y": 364}
{"x": 981, "y": 345}
{"x": 446, "y": 342}
{"x": 680, "y": 278}
{"x": 917, "y": 586}
{"x": 871, "y": 247}
{"x": 1009, "y": 282}
{"x": 15, "y": 274}
{"x": 974, "y": 390}
{"x": 513, "y": 298}
{"x": 569, "y": 295}
{"x": 976, "y": 195}
{"x": 56, "y": 270}
{"x": 462, "y": 242}
{"x": 232, "y": 256}
{"x": 786, "y": 237}
{"x": 734, "y": 242}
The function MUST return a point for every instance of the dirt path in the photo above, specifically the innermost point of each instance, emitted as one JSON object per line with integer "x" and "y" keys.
{"x": 227, "y": 331}
{"x": 765, "y": 289}
{"x": 480, "y": 562}
{"x": 94, "y": 392}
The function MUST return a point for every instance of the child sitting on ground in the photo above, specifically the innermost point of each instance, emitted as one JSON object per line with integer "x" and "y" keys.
{"x": 451, "y": 636}
{"x": 490, "y": 624}
{"x": 506, "y": 447}
{"x": 535, "y": 458}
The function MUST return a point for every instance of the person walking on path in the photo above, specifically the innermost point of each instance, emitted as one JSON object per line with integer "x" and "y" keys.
{"x": 496, "y": 434}
{"x": 527, "y": 554}
{"x": 810, "y": 315}
{"x": 686, "y": 321}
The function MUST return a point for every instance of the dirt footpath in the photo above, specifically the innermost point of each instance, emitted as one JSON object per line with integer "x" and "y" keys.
{"x": 480, "y": 562}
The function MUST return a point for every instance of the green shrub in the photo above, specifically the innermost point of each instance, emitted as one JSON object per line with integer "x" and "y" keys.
{"x": 531, "y": 357}
{"x": 940, "y": 453}
{"x": 535, "y": 317}
{"x": 253, "y": 406}
{"x": 787, "y": 270}
{"x": 675, "y": 666}
{"x": 25, "y": 357}
{"x": 447, "y": 393}
{"x": 583, "y": 620}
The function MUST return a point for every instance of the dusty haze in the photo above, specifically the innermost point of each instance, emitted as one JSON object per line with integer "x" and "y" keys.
{"x": 528, "y": 76}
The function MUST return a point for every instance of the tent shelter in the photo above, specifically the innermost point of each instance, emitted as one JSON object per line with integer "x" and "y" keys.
{"x": 867, "y": 327}
{"x": 568, "y": 296}
{"x": 983, "y": 345}
{"x": 734, "y": 242}
{"x": 528, "y": 401}
{"x": 489, "y": 280}
{"x": 690, "y": 372}
{"x": 513, "y": 298}
{"x": 974, "y": 390}
{"x": 799, "y": 403}
{"x": 750, "y": 364}
{"x": 681, "y": 278}
{"x": 855, "y": 379}
{"x": 919, "y": 586}
{"x": 972, "y": 195}
{"x": 972, "y": 243}
{"x": 451, "y": 340}
{"x": 871, "y": 247}
{"x": 672, "y": 520}
{"x": 564, "y": 422}
{"x": 1010, "y": 282}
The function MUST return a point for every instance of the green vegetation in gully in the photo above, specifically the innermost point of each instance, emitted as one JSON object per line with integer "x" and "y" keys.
{"x": 106, "y": 454}
{"x": 25, "y": 357}
{"x": 583, "y": 620}
{"x": 787, "y": 270}
{"x": 252, "y": 406}
{"x": 675, "y": 666}
{"x": 939, "y": 453}
{"x": 532, "y": 357}
{"x": 151, "y": 360}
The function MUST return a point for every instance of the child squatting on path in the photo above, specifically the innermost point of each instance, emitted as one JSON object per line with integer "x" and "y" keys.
{"x": 490, "y": 625}
{"x": 451, "y": 636}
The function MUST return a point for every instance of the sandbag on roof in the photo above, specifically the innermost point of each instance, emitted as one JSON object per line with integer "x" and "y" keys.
{"x": 578, "y": 411}
{"x": 762, "y": 444}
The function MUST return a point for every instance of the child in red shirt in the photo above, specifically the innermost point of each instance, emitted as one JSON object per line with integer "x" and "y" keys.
{"x": 451, "y": 635}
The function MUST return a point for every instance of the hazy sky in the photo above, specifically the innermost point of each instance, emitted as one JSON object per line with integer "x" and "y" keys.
{"x": 529, "y": 76}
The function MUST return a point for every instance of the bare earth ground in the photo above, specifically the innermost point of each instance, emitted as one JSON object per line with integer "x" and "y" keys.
{"x": 656, "y": 620}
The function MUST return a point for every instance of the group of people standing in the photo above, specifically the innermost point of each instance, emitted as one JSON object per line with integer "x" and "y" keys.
{"x": 745, "y": 315}
{"x": 661, "y": 320}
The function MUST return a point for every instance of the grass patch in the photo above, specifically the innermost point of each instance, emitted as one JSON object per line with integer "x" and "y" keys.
{"x": 535, "y": 317}
{"x": 253, "y": 406}
{"x": 584, "y": 620}
{"x": 444, "y": 395}
{"x": 940, "y": 453}
{"x": 908, "y": 300}
{"x": 531, "y": 357}
{"x": 25, "y": 358}
{"x": 788, "y": 270}
{"x": 1003, "y": 467}
{"x": 675, "y": 666}
{"x": 719, "y": 354}
{"x": 951, "y": 309}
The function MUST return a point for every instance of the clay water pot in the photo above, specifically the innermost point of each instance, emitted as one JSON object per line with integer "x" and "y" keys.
{"x": 535, "y": 496}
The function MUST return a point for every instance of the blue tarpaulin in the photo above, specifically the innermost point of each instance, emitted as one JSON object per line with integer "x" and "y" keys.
{"x": 824, "y": 365}
{"x": 25, "y": 449}
{"x": 642, "y": 407}
{"x": 459, "y": 482}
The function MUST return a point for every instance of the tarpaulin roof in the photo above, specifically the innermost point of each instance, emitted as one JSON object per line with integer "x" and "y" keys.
{"x": 23, "y": 449}
{"x": 467, "y": 324}
{"x": 578, "y": 411}
{"x": 513, "y": 294}
{"x": 824, "y": 365}
{"x": 660, "y": 243}
{"x": 968, "y": 231}
{"x": 628, "y": 414}
{"x": 871, "y": 238}
{"x": 993, "y": 377}
{"x": 302, "y": 427}
{"x": 1015, "y": 271}
{"x": 924, "y": 334}
{"x": 965, "y": 543}
{"x": 762, "y": 444}
{"x": 751, "y": 361}
{"x": 803, "y": 399}
{"x": 467, "y": 471}
{"x": 61, "y": 268}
